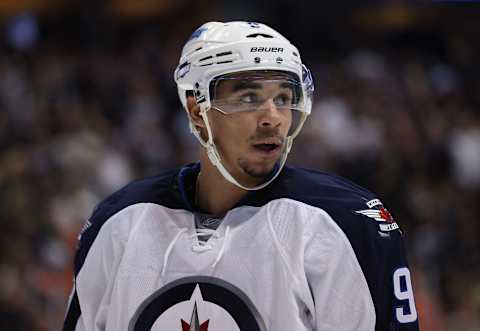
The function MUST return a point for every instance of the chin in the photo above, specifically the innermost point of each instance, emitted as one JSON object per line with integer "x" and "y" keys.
{"x": 259, "y": 170}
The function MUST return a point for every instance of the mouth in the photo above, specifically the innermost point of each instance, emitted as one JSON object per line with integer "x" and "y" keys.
{"x": 268, "y": 148}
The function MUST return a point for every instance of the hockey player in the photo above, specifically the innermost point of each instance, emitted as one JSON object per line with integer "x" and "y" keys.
{"x": 239, "y": 241}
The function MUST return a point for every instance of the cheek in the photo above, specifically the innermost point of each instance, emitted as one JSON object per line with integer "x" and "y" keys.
{"x": 233, "y": 128}
{"x": 224, "y": 132}
{"x": 286, "y": 122}
{"x": 220, "y": 128}
{"x": 288, "y": 119}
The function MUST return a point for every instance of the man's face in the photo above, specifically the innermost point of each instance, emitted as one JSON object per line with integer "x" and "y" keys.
{"x": 250, "y": 118}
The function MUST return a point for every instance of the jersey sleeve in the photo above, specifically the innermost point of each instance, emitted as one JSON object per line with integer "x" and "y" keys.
{"x": 340, "y": 292}
{"x": 389, "y": 277}
{"x": 378, "y": 244}
{"x": 101, "y": 246}
{"x": 98, "y": 254}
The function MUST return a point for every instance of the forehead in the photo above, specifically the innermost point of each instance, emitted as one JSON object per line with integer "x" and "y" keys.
{"x": 234, "y": 82}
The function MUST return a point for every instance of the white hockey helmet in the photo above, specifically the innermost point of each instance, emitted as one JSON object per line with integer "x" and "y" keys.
{"x": 219, "y": 49}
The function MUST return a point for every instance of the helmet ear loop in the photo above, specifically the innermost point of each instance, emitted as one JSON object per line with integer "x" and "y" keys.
{"x": 193, "y": 128}
{"x": 203, "y": 113}
{"x": 196, "y": 131}
{"x": 212, "y": 152}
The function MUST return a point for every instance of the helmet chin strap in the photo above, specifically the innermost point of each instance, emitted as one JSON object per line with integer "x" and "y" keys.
{"x": 215, "y": 159}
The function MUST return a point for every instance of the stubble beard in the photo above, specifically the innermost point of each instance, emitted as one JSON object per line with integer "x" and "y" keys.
{"x": 259, "y": 172}
{"x": 251, "y": 168}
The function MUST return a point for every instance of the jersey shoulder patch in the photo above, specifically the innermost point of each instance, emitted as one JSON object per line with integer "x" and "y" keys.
{"x": 377, "y": 212}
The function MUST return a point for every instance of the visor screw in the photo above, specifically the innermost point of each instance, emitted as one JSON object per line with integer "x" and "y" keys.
{"x": 197, "y": 85}
{"x": 279, "y": 60}
{"x": 257, "y": 60}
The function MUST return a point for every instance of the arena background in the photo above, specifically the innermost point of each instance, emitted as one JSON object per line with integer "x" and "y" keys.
{"x": 88, "y": 103}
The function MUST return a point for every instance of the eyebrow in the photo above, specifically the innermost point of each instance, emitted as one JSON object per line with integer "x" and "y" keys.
{"x": 287, "y": 85}
{"x": 244, "y": 85}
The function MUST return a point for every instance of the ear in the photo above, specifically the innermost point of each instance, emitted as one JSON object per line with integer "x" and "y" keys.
{"x": 194, "y": 112}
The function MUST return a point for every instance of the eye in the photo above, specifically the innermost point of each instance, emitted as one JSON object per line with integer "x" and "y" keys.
{"x": 248, "y": 98}
{"x": 283, "y": 99}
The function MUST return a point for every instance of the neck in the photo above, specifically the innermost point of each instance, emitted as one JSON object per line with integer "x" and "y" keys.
{"x": 215, "y": 195}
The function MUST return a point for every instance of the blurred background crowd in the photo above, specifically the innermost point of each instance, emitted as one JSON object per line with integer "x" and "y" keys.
{"x": 88, "y": 103}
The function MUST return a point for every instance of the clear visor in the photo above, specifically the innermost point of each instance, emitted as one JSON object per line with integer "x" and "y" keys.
{"x": 254, "y": 90}
{"x": 248, "y": 91}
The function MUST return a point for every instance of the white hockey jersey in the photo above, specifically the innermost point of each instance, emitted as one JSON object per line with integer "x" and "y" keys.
{"x": 311, "y": 251}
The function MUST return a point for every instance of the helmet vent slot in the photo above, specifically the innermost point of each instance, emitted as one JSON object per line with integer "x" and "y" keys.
{"x": 255, "y": 35}
{"x": 183, "y": 65}
{"x": 224, "y": 53}
{"x": 221, "y": 62}
{"x": 205, "y": 58}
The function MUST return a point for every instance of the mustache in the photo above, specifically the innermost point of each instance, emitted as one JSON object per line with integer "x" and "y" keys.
{"x": 267, "y": 133}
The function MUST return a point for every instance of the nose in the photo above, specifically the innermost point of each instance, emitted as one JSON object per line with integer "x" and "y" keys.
{"x": 270, "y": 115}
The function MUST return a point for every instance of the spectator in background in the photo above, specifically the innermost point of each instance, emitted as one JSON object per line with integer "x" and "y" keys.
{"x": 52, "y": 98}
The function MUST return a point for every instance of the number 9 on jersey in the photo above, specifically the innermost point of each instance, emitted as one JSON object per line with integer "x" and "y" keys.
{"x": 402, "y": 286}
